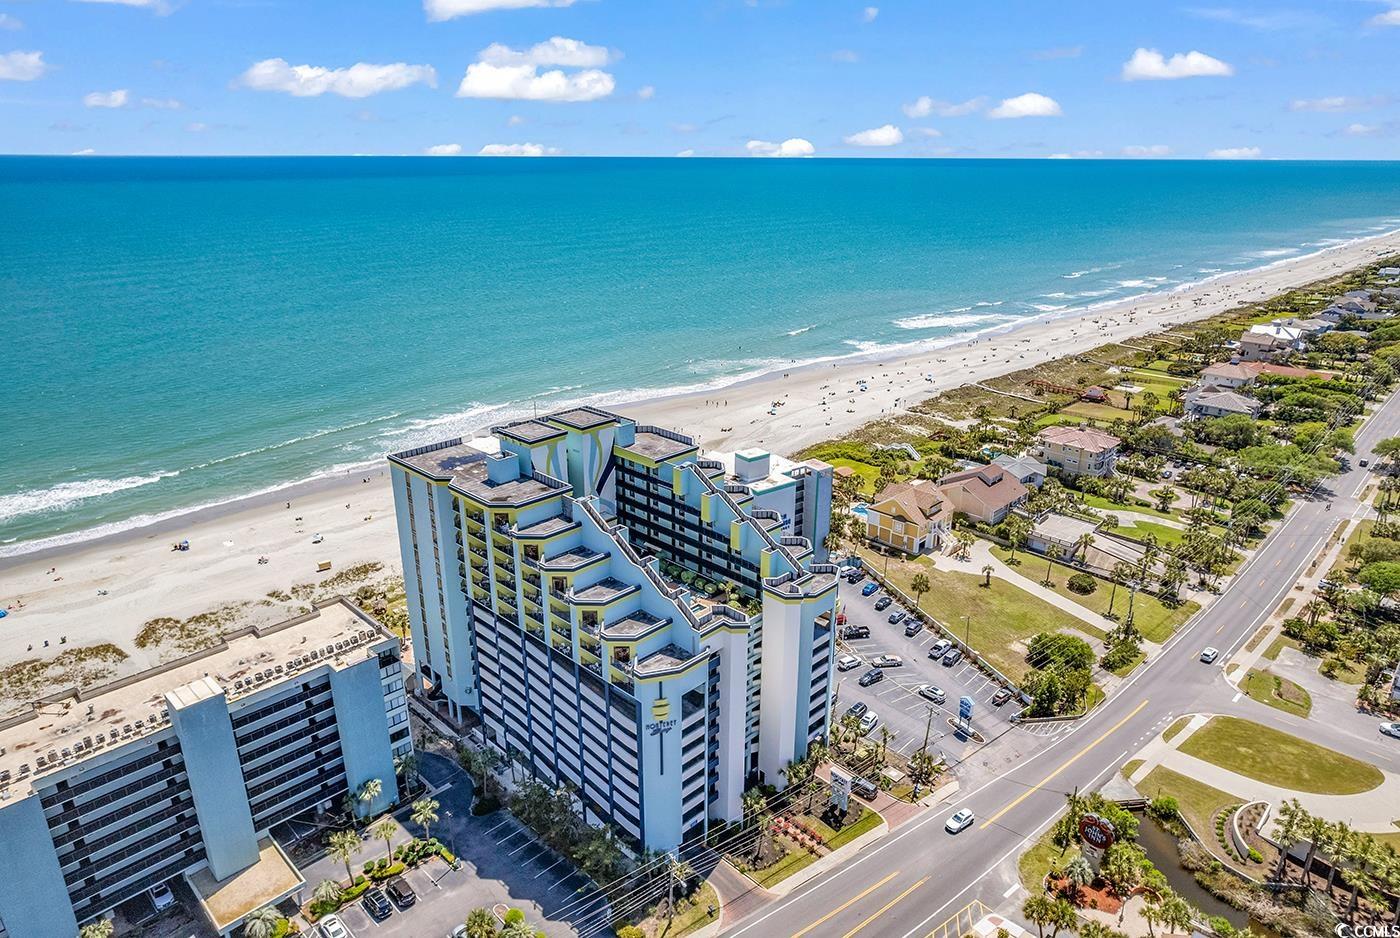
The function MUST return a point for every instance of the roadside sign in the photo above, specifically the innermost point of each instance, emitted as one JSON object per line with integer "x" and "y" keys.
{"x": 840, "y": 790}
{"x": 1096, "y": 835}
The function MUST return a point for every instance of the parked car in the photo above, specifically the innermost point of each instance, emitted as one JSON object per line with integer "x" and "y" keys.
{"x": 939, "y": 648}
{"x": 847, "y": 662}
{"x": 864, "y": 788}
{"x": 870, "y": 588}
{"x": 951, "y": 657}
{"x": 376, "y": 904}
{"x": 161, "y": 896}
{"x": 333, "y": 927}
{"x": 1210, "y": 654}
{"x": 857, "y": 709}
{"x": 887, "y": 661}
{"x": 459, "y": 932}
{"x": 401, "y": 892}
{"x": 897, "y": 617}
{"x": 1363, "y": 463}
{"x": 883, "y": 603}
{"x": 873, "y": 676}
{"x": 1001, "y": 697}
{"x": 960, "y": 821}
{"x": 840, "y": 619}
{"x": 912, "y": 627}
{"x": 855, "y": 576}
{"x": 856, "y": 631}
{"x": 1391, "y": 729}
{"x": 869, "y": 721}
{"x": 932, "y": 692}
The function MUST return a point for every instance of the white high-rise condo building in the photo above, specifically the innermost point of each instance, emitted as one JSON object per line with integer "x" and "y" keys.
{"x": 647, "y": 624}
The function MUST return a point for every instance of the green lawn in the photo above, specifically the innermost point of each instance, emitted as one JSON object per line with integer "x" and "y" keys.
{"x": 1199, "y": 802}
{"x": 1280, "y": 693}
{"x": 1128, "y": 668}
{"x": 1103, "y": 504}
{"x": 1277, "y": 758}
{"x": 796, "y": 859}
{"x": 1106, "y": 413}
{"x": 1039, "y": 857}
{"x": 868, "y": 473}
{"x": 1278, "y": 645}
{"x": 1155, "y": 621}
{"x": 868, "y": 822}
{"x": 1175, "y": 728}
{"x": 1342, "y": 569}
{"x": 999, "y": 616}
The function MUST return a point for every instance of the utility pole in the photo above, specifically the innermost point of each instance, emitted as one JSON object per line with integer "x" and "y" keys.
{"x": 928, "y": 728}
{"x": 671, "y": 889}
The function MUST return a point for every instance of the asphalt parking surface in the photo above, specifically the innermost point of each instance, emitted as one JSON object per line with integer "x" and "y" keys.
{"x": 896, "y": 698}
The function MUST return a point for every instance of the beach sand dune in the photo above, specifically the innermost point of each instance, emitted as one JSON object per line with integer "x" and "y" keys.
{"x": 143, "y": 579}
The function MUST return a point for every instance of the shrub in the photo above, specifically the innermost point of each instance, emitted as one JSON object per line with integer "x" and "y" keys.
{"x": 514, "y": 917}
{"x": 630, "y": 931}
{"x": 1255, "y": 855}
{"x": 1164, "y": 808}
{"x": 1082, "y": 583}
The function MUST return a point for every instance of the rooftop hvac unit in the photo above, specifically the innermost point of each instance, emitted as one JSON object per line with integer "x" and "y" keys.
{"x": 278, "y": 669}
{"x": 23, "y": 769}
{"x": 40, "y": 762}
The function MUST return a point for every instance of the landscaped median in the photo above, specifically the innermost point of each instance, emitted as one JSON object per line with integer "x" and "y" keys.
{"x": 1276, "y": 758}
{"x": 1278, "y": 692}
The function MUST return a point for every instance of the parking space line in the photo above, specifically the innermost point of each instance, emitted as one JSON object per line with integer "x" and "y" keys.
{"x": 494, "y": 827}
{"x": 507, "y": 837}
{"x": 528, "y": 843}
{"x": 548, "y": 868}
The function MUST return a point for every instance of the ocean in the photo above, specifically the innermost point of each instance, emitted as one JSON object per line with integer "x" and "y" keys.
{"x": 182, "y": 332}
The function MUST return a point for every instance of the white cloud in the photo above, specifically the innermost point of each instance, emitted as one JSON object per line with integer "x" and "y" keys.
{"x": 516, "y": 149}
{"x": 106, "y": 98}
{"x": 163, "y": 104}
{"x": 11, "y": 23}
{"x": 868, "y": 14}
{"x": 1362, "y": 130}
{"x": 686, "y": 153}
{"x": 924, "y": 106}
{"x": 22, "y": 66}
{"x": 570, "y": 53}
{"x": 1269, "y": 20}
{"x": 885, "y": 136}
{"x": 1154, "y": 149}
{"x": 1076, "y": 155}
{"x": 1149, "y": 65}
{"x": 85, "y": 151}
{"x": 439, "y": 10}
{"x": 646, "y": 92}
{"x": 1029, "y": 104}
{"x": 1235, "y": 153}
{"x": 793, "y": 146}
{"x": 1334, "y": 103}
{"x": 515, "y": 120}
{"x": 1388, "y": 18}
{"x": 847, "y": 56}
{"x": 161, "y": 7}
{"x": 925, "y": 132}
{"x": 444, "y": 149}
{"x": 196, "y": 127}
{"x": 358, "y": 81}
{"x": 528, "y": 83}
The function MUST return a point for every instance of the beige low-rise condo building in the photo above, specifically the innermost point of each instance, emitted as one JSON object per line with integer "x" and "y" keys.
{"x": 984, "y": 493}
{"x": 913, "y": 516}
{"x": 1079, "y": 451}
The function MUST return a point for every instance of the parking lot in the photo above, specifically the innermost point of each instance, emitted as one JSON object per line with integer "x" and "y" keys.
{"x": 502, "y": 865}
{"x": 896, "y": 698}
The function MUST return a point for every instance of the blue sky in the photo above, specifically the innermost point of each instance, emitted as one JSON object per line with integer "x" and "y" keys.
{"x": 903, "y": 78}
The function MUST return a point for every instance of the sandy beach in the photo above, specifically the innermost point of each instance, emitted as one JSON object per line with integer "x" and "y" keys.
{"x": 103, "y": 590}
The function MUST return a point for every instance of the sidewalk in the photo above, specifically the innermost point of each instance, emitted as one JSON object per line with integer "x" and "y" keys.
{"x": 980, "y": 555}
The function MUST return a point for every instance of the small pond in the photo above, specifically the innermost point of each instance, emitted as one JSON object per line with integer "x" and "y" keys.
{"x": 1160, "y": 847}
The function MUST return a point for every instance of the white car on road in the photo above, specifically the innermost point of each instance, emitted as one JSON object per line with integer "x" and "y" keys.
{"x": 960, "y": 821}
{"x": 1391, "y": 729}
{"x": 1209, "y": 655}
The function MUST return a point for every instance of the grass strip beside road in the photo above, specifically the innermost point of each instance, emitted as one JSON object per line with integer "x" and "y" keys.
{"x": 1175, "y": 728}
{"x": 1276, "y": 758}
{"x": 1280, "y": 693}
{"x": 1199, "y": 803}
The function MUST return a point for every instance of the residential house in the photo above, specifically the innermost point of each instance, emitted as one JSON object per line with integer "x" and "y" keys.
{"x": 1228, "y": 376}
{"x": 1256, "y": 346}
{"x": 1285, "y": 371}
{"x": 1028, "y": 470}
{"x": 913, "y": 516}
{"x": 1210, "y": 401}
{"x": 1079, "y": 450}
{"x": 986, "y": 494}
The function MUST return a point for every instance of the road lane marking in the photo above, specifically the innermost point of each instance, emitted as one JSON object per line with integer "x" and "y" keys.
{"x": 1066, "y": 764}
{"x": 1010, "y": 889}
{"x": 846, "y": 905}
{"x": 1236, "y": 698}
{"x": 886, "y": 907}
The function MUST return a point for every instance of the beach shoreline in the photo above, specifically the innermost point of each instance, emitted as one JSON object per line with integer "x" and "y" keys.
{"x": 140, "y": 577}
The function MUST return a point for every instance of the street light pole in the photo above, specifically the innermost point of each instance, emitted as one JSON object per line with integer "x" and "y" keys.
{"x": 967, "y": 630}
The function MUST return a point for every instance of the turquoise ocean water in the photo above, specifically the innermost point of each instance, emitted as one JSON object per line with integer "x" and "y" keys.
{"x": 180, "y": 332}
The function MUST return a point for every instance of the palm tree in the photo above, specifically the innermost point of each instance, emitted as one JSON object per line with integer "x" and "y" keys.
{"x": 262, "y": 923}
{"x": 1052, "y": 551}
{"x": 1119, "y": 574}
{"x": 384, "y": 829}
{"x": 919, "y": 585}
{"x": 1362, "y": 854}
{"x": 102, "y": 928}
{"x": 424, "y": 813}
{"x": 1017, "y": 529}
{"x": 1291, "y": 821}
{"x": 753, "y": 805}
{"x": 481, "y": 923}
{"x": 1093, "y": 929}
{"x": 343, "y": 847}
{"x": 1039, "y": 911}
{"x": 1174, "y": 912}
{"x": 327, "y": 892}
{"x": 987, "y": 572}
{"x": 1080, "y": 874}
{"x": 369, "y": 792}
{"x": 1084, "y": 542}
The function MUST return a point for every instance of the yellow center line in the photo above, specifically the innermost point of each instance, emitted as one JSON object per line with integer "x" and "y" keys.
{"x": 1068, "y": 762}
{"x": 885, "y": 908}
{"x": 846, "y": 905}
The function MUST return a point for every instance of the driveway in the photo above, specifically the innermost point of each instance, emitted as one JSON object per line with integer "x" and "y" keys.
{"x": 501, "y": 865}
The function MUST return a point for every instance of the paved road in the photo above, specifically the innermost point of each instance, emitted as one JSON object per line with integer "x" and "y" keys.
{"x": 918, "y": 877}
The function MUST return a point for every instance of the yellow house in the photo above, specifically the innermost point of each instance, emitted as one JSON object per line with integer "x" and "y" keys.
{"x": 914, "y": 517}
